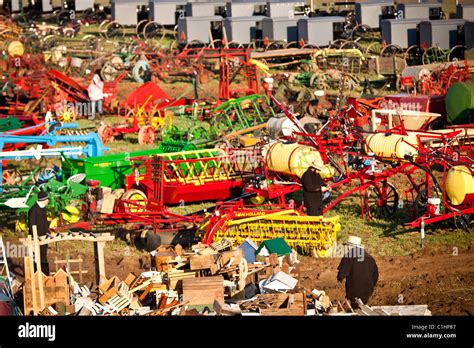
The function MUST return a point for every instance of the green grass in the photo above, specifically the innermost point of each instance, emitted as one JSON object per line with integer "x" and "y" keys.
{"x": 391, "y": 238}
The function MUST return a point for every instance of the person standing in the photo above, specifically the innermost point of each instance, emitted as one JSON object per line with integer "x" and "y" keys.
{"x": 37, "y": 216}
{"x": 96, "y": 95}
{"x": 360, "y": 271}
{"x": 313, "y": 188}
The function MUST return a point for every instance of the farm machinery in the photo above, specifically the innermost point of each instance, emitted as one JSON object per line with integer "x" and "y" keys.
{"x": 35, "y": 94}
{"x": 205, "y": 124}
{"x": 239, "y": 222}
{"x": 88, "y": 144}
{"x": 144, "y": 112}
{"x": 209, "y": 175}
{"x": 224, "y": 122}
{"x": 370, "y": 160}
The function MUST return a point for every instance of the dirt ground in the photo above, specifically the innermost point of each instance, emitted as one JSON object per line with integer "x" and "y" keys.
{"x": 442, "y": 280}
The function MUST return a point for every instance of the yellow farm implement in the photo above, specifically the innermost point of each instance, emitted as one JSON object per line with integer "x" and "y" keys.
{"x": 301, "y": 232}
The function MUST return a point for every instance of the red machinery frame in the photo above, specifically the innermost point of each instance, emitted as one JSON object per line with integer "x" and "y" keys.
{"x": 378, "y": 180}
{"x": 165, "y": 181}
{"x": 190, "y": 61}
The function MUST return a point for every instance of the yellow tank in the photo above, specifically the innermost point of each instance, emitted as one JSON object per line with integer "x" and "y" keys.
{"x": 14, "y": 48}
{"x": 391, "y": 146}
{"x": 328, "y": 172}
{"x": 459, "y": 183}
{"x": 292, "y": 159}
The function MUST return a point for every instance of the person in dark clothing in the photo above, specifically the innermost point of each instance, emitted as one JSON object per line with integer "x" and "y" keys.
{"x": 313, "y": 188}
{"x": 37, "y": 217}
{"x": 360, "y": 271}
{"x": 152, "y": 242}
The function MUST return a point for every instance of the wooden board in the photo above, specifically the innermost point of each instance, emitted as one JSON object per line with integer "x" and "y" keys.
{"x": 203, "y": 291}
{"x": 283, "y": 53}
{"x": 55, "y": 289}
{"x": 391, "y": 65}
{"x": 175, "y": 279}
{"x": 237, "y": 255}
{"x": 197, "y": 262}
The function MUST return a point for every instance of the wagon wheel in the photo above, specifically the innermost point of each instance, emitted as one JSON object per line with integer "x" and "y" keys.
{"x": 139, "y": 28}
{"x": 311, "y": 46}
{"x": 154, "y": 30}
{"x": 292, "y": 44}
{"x": 108, "y": 72}
{"x": 319, "y": 80}
{"x": 90, "y": 41}
{"x": 63, "y": 18}
{"x": 421, "y": 201}
{"x": 157, "y": 123}
{"x": 336, "y": 44}
{"x": 375, "y": 48}
{"x": 146, "y": 135}
{"x": 434, "y": 55}
{"x": 456, "y": 53}
{"x": 11, "y": 177}
{"x": 98, "y": 16}
{"x": 233, "y": 44}
{"x": 50, "y": 41}
{"x": 169, "y": 132}
{"x": 114, "y": 30}
{"x": 257, "y": 45}
{"x": 174, "y": 33}
{"x": 275, "y": 45}
{"x": 350, "y": 22}
{"x": 106, "y": 134}
{"x": 351, "y": 45}
{"x": 382, "y": 200}
{"x": 349, "y": 82}
{"x": 139, "y": 71}
{"x": 102, "y": 27}
{"x": 8, "y": 35}
{"x": 361, "y": 31}
{"x": 87, "y": 13}
{"x": 392, "y": 51}
{"x": 138, "y": 200}
{"x": 257, "y": 200}
{"x": 67, "y": 115}
{"x": 195, "y": 44}
{"x": 198, "y": 133}
{"x": 216, "y": 44}
{"x": 69, "y": 32}
{"x": 414, "y": 55}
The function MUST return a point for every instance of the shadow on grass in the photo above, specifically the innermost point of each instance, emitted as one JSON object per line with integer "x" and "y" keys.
{"x": 8, "y": 219}
{"x": 390, "y": 227}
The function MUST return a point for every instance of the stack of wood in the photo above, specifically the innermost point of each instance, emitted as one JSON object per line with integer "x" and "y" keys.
{"x": 411, "y": 310}
{"x": 55, "y": 290}
{"x": 276, "y": 304}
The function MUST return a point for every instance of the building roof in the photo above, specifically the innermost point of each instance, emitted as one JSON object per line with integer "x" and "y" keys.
{"x": 324, "y": 19}
{"x": 244, "y": 19}
{"x": 444, "y": 22}
{"x": 283, "y": 19}
{"x": 275, "y": 246}
{"x": 421, "y": 5}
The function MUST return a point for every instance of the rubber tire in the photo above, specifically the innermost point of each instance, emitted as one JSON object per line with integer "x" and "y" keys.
{"x": 153, "y": 241}
{"x": 126, "y": 196}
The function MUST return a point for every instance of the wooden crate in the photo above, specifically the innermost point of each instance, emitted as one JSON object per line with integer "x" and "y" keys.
{"x": 198, "y": 262}
{"x": 175, "y": 279}
{"x": 203, "y": 291}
